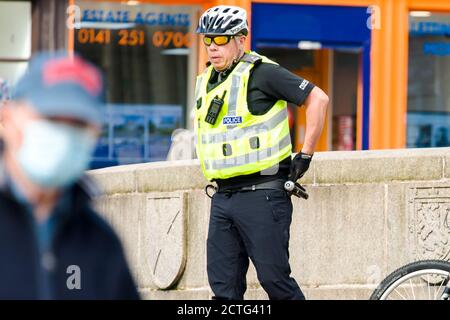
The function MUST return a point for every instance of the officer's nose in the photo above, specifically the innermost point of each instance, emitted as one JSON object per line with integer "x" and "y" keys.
{"x": 213, "y": 46}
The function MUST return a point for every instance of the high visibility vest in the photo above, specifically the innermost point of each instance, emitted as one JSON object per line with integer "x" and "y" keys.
{"x": 239, "y": 143}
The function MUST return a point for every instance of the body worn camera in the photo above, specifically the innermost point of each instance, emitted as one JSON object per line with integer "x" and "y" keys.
{"x": 214, "y": 109}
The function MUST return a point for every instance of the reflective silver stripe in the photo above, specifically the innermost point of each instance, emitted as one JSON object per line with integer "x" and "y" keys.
{"x": 199, "y": 83}
{"x": 235, "y": 81}
{"x": 251, "y": 157}
{"x": 197, "y": 88}
{"x": 238, "y": 133}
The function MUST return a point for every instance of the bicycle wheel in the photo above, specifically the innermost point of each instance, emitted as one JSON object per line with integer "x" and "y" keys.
{"x": 420, "y": 280}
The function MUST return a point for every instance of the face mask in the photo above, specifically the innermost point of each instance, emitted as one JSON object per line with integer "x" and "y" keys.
{"x": 54, "y": 155}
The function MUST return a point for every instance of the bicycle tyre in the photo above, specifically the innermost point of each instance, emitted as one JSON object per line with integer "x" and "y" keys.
{"x": 396, "y": 278}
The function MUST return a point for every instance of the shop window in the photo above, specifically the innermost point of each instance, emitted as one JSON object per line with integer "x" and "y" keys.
{"x": 15, "y": 39}
{"x": 345, "y": 83}
{"x": 146, "y": 52}
{"x": 305, "y": 64}
{"x": 289, "y": 58}
{"x": 339, "y": 131}
{"x": 428, "y": 117}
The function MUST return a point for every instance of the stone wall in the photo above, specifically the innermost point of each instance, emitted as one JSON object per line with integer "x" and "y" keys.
{"x": 368, "y": 213}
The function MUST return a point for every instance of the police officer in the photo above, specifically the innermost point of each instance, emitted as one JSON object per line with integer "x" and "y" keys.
{"x": 244, "y": 146}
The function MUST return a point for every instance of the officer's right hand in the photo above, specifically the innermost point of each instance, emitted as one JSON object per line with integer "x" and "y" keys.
{"x": 299, "y": 165}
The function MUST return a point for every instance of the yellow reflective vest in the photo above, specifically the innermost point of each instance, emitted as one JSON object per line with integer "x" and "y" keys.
{"x": 239, "y": 143}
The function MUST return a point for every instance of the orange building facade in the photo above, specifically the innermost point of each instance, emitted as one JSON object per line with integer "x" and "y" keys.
{"x": 382, "y": 62}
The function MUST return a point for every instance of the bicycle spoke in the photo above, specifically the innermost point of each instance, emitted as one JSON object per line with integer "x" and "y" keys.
{"x": 390, "y": 296}
{"x": 424, "y": 292}
{"x": 435, "y": 296}
{"x": 397, "y": 292}
{"x": 406, "y": 293}
{"x": 412, "y": 289}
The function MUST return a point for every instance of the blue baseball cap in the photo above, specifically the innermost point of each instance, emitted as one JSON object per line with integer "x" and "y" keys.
{"x": 61, "y": 85}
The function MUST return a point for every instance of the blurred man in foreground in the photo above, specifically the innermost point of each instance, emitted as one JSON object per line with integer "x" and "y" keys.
{"x": 52, "y": 243}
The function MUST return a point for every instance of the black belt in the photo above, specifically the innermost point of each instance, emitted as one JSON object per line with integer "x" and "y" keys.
{"x": 274, "y": 185}
{"x": 298, "y": 190}
{"x": 270, "y": 185}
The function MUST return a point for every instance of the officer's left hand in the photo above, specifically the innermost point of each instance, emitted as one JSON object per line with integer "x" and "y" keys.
{"x": 299, "y": 165}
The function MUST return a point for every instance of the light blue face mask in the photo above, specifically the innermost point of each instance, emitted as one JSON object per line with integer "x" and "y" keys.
{"x": 54, "y": 155}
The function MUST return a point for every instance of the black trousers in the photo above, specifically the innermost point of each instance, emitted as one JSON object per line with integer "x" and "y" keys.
{"x": 255, "y": 225}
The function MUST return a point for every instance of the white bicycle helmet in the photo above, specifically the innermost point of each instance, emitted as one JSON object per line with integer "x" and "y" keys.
{"x": 223, "y": 20}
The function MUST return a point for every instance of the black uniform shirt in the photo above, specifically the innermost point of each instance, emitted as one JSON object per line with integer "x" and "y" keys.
{"x": 268, "y": 83}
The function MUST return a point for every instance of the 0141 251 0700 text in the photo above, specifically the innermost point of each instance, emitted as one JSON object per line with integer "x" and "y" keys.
{"x": 134, "y": 37}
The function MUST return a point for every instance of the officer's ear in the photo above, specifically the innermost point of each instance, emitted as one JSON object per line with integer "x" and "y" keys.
{"x": 241, "y": 39}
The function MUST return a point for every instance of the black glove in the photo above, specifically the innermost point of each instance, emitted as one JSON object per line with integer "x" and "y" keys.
{"x": 299, "y": 166}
